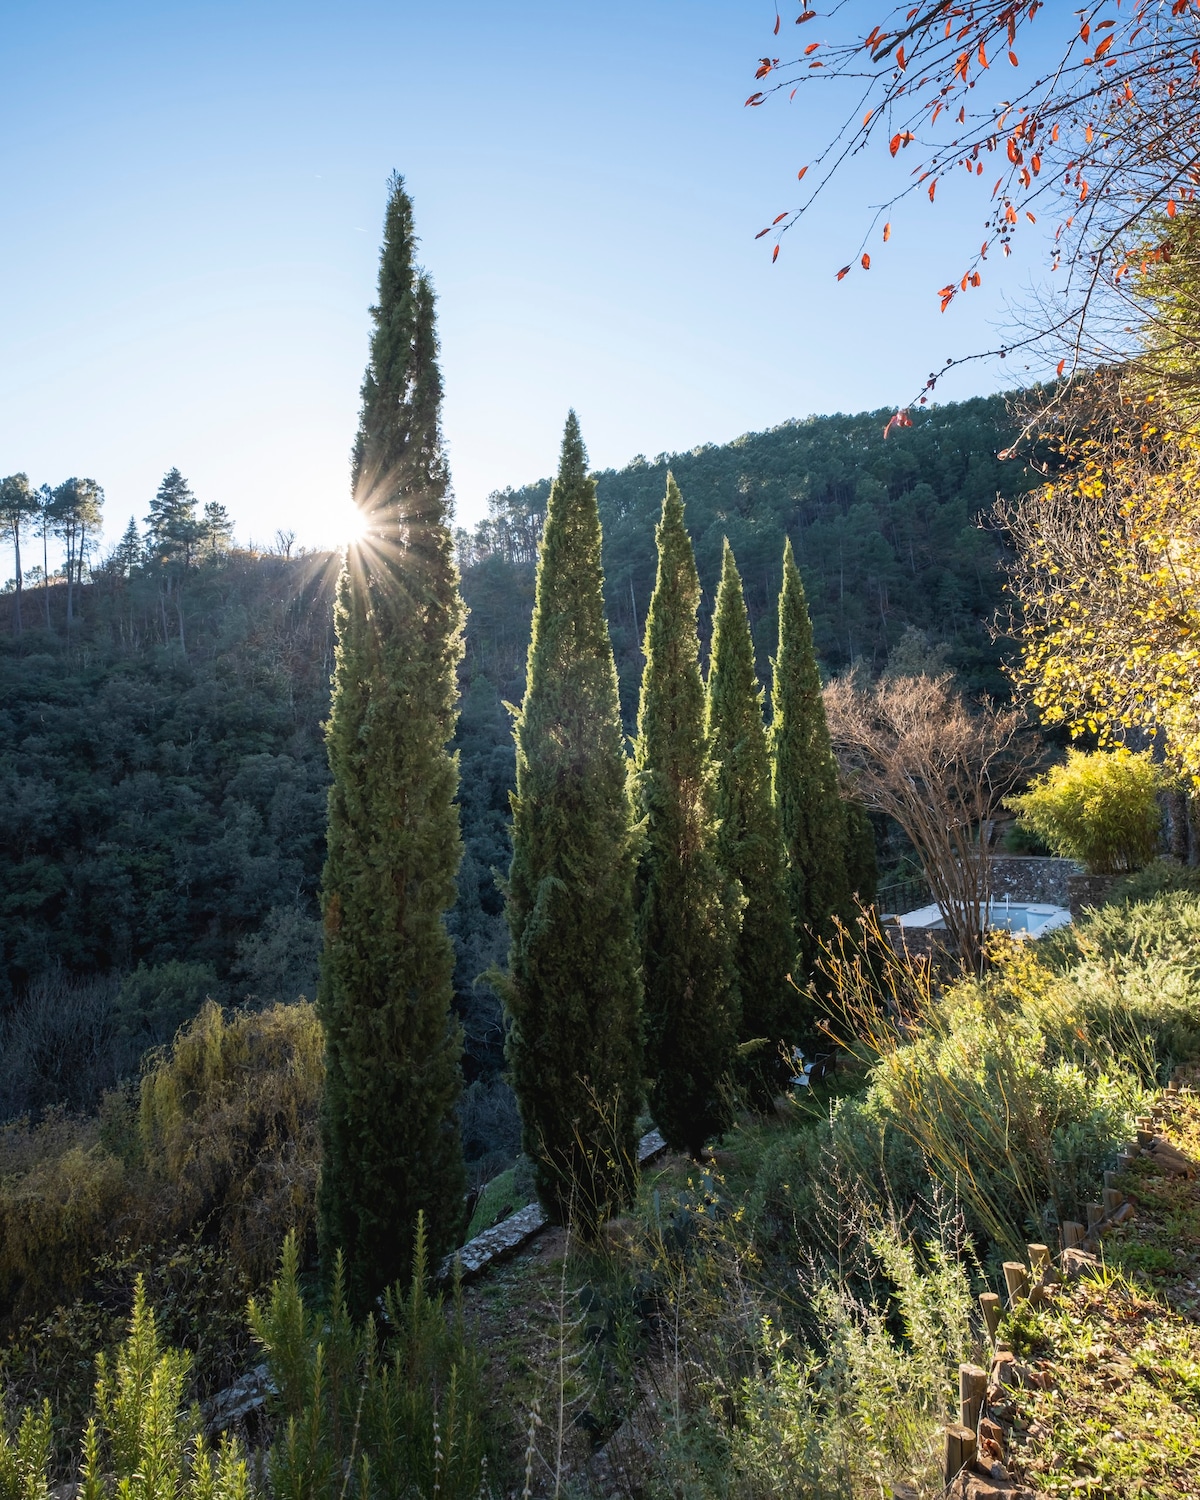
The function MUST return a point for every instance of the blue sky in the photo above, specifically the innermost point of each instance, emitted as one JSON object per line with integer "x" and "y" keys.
{"x": 191, "y": 211}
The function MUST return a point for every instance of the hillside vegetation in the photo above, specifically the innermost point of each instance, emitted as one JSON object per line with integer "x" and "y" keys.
{"x": 162, "y": 772}
{"x": 785, "y": 1318}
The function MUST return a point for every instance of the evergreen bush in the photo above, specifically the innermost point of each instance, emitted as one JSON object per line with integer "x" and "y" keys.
{"x": 371, "y": 1411}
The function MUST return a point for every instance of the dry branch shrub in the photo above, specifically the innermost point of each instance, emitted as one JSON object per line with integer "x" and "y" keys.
{"x": 229, "y": 1126}
{"x": 912, "y": 748}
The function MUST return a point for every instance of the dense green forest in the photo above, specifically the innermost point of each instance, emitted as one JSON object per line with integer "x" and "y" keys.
{"x": 162, "y": 769}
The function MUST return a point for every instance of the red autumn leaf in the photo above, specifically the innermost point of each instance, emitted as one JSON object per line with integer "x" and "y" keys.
{"x": 761, "y": 232}
{"x": 779, "y": 218}
{"x": 1103, "y": 47}
{"x": 900, "y": 58}
{"x": 775, "y": 255}
{"x": 845, "y": 271}
{"x": 1012, "y": 57}
{"x": 866, "y": 262}
{"x": 1062, "y": 364}
{"x": 1171, "y": 207}
{"x": 754, "y": 98}
{"x": 1030, "y": 217}
{"x": 801, "y": 173}
{"x": 887, "y": 233}
{"x": 812, "y": 47}
{"x": 932, "y": 186}
{"x": 976, "y": 278}
{"x": 983, "y": 62}
{"x": 776, "y": 23}
{"x": 1085, "y": 31}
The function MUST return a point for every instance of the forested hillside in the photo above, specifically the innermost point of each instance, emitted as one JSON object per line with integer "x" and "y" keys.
{"x": 162, "y": 771}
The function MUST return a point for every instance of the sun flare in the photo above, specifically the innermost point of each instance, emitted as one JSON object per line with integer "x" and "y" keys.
{"x": 352, "y": 524}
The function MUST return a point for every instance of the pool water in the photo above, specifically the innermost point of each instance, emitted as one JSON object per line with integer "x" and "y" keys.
{"x": 1032, "y": 919}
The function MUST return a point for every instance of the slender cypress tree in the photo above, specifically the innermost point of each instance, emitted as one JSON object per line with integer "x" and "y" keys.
{"x": 689, "y": 907}
{"x": 574, "y": 990}
{"x": 393, "y": 1049}
{"x": 805, "y": 776}
{"x": 750, "y": 839}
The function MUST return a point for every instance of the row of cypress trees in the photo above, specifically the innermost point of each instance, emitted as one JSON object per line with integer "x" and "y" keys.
{"x": 740, "y": 867}
{"x": 655, "y": 908}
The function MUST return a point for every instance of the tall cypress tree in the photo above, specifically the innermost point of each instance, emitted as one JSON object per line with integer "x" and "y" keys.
{"x": 689, "y": 907}
{"x": 574, "y": 990}
{"x": 390, "y": 1132}
{"x": 805, "y": 776}
{"x": 750, "y": 838}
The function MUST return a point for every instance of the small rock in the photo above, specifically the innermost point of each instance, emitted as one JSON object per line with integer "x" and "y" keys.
{"x": 231, "y": 1407}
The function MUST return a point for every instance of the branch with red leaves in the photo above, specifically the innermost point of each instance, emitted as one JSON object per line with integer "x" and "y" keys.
{"x": 1105, "y": 138}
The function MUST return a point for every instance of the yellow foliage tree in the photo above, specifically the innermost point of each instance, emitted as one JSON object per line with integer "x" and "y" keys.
{"x": 1108, "y": 582}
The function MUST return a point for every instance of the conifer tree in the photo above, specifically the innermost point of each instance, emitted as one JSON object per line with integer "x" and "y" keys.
{"x": 805, "y": 776}
{"x": 573, "y": 988}
{"x": 129, "y": 553}
{"x": 749, "y": 838}
{"x": 18, "y": 506}
{"x": 688, "y": 906}
{"x": 389, "y": 1127}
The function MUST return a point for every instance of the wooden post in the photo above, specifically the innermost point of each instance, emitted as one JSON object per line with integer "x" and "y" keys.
{"x": 960, "y": 1450}
{"x": 1113, "y": 1198}
{"x": 1072, "y": 1234}
{"x": 1095, "y": 1213}
{"x": 990, "y": 1304}
{"x": 1016, "y": 1279}
{"x": 1040, "y": 1272}
{"x": 972, "y": 1386}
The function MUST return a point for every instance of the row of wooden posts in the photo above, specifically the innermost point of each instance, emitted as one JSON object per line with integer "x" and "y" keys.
{"x": 1030, "y": 1283}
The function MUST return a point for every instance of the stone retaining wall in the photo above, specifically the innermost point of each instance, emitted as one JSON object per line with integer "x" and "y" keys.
{"x": 1032, "y": 877}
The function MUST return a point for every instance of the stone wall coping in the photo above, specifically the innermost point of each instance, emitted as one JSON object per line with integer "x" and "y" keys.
{"x": 519, "y": 1228}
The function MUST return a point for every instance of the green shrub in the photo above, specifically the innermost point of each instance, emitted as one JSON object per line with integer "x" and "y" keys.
{"x": 199, "y": 1296}
{"x": 229, "y": 1126}
{"x": 143, "y": 1441}
{"x": 370, "y": 1416}
{"x": 362, "y": 1416}
{"x": 1101, "y": 809}
{"x": 1158, "y": 877}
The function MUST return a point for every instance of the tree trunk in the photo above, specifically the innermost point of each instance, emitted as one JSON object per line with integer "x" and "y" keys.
{"x": 46, "y": 575}
{"x": 70, "y": 580}
{"x": 17, "y": 551}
